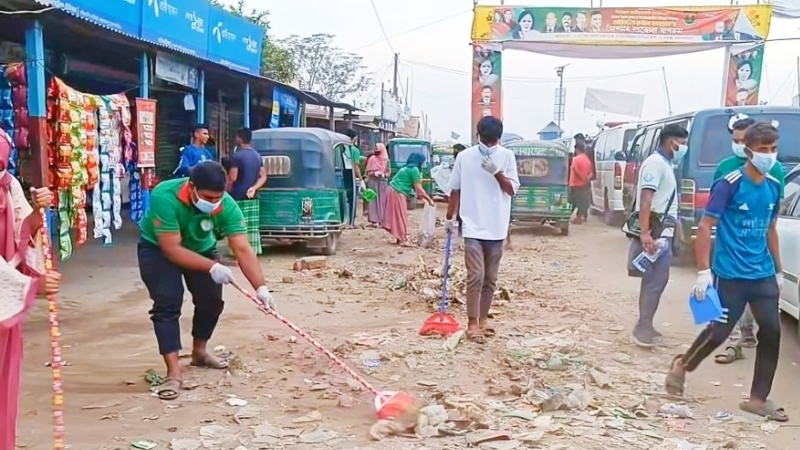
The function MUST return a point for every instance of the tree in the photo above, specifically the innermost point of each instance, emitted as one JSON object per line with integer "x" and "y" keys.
{"x": 326, "y": 69}
{"x": 276, "y": 60}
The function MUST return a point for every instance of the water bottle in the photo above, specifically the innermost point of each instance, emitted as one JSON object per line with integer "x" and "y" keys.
{"x": 645, "y": 260}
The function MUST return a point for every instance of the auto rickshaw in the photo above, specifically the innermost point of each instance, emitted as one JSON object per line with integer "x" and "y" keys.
{"x": 543, "y": 196}
{"x": 310, "y": 192}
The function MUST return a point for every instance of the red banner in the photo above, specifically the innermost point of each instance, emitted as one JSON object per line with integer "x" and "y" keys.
{"x": 146, "y": 132}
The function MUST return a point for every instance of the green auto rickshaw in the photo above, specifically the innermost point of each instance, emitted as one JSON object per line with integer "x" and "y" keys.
{"x": 310, "y": 189}
{"x": 543, "y": 197}
{"x": 399, "y": 151}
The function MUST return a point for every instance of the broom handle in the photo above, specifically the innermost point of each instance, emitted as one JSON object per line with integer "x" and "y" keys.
{"x": 55, "y": 347}
{"x": 311, "y": 340}
{"x": 446, "y": 274}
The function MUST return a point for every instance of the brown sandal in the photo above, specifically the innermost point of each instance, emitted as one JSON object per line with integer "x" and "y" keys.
{"x": 768, "y": 410}
{"x": 476, "y": 336}
{"x": 674, "y": 384}
{"x": 732, "y": 353}
{"x": 168, "y": 390}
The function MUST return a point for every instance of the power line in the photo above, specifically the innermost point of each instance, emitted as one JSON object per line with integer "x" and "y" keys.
{"x": 378, "y": 85}
{"x": 380, "y": 23}
{"x": 783, "y": 85}
{"x": 402, "y": 33}
{"x": 530, "y": 79}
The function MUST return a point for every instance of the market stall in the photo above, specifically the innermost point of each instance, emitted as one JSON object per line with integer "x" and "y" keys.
{"x": 89, "y": 150}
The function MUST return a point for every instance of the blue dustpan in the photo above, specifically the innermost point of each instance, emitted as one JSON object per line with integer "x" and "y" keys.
{"x": 708, "y": 310}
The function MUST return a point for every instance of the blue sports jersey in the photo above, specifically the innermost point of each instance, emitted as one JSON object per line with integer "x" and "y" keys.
{"x": 744, "y": 211}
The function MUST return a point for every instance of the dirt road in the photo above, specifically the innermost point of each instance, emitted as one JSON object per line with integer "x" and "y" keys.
{"x": 563, "y": 314}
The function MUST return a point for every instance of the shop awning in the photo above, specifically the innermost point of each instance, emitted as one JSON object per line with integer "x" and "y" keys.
{"x": 321, "y": 100}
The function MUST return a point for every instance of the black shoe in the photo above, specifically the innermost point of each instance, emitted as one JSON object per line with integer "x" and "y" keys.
{"x": 643, "y": 338}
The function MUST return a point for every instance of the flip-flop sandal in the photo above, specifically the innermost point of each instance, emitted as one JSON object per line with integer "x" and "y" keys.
{"x": 489, "y": 332}
{"x": 217, "y": 364}
{"x": 476, "y": 336}
{"x": 168, "y": 390}
{"x": 674, "y": 384}
{"x": 732, "y": 353}
{"x": 768, "y": 410}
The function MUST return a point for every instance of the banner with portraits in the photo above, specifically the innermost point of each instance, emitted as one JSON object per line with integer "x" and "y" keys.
{"x": 743, "y": 75}
{"x": 487, "y": 93}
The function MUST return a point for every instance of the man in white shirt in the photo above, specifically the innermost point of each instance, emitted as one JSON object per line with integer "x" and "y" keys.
{"x": 657, "y": 197}
{"x": 483, "y": 180}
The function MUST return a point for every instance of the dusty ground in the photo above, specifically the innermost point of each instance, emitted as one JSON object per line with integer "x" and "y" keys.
{"x": 564, "y": 312}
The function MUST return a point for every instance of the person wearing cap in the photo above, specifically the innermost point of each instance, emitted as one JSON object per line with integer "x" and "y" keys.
{"x": 194, "y": 153}
{"x": 177, "y": 245}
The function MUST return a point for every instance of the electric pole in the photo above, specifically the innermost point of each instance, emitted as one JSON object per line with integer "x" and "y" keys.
{"x": 396, "y": 74}
{"x": 561, "y": 98}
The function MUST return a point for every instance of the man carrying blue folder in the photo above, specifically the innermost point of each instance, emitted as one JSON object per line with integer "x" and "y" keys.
{"x": 745, "y": 270}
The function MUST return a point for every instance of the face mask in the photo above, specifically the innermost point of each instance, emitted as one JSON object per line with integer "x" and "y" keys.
{"x": 738, "y": 150}
{"x": 679, "y": 153}
{"x": 205, "y": 206}
{"x": 485, "y": 149}
{"x": 763, "y": 161}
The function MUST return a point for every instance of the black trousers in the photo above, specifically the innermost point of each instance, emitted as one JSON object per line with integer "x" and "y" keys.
{"x": 580, "y": 198}
{"x": 762, "y": 295}
{"x": 164, "y": 280}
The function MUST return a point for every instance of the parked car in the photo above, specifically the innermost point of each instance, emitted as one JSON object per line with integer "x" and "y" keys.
{"x": 789, "y": 233}
{"x": 610, "y": 157}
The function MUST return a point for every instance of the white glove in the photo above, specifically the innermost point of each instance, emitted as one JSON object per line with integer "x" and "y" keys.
{"x": 704, "y": 280}
{"x": 779, "y": 279}
{"x": 263, "y": 295}
{"x": 489, "y": 165}
{"x": 450, "y": 225}
{"x": 362, "y": 185}
{"x": 221, "y": 274}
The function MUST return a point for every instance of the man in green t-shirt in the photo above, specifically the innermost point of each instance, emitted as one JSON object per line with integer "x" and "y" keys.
{"x": 178, "y": 245}
{"x": 738, "y": 159}
{"x": 746, "y": 325}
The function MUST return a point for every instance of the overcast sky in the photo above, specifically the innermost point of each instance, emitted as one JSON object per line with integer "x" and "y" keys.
{"x": 437, "y": 61}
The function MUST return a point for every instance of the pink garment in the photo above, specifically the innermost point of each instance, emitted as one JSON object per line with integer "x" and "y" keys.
{"x": 13, "y": 246}
{"x": 395, "y": 215}
{"x": 379, "y": 162}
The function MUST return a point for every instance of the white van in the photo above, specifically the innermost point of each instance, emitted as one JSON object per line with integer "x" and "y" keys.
{"x": 610, "y": 153}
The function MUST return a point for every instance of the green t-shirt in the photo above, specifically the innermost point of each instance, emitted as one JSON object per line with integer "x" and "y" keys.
{"x": 355, "y": 154}
{"x": 171, "y": 211}
{"x": 405, "y": 180}
{"x": 734, "y": 162}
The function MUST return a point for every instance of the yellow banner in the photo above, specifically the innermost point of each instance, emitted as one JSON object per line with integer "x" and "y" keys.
{"x": 622, "y": 26}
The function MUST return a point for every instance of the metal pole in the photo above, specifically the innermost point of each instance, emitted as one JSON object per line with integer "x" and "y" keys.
{"x": 666, "y": 91}
{"x": 246, "y": 123}
{"x": 394, "y": 82}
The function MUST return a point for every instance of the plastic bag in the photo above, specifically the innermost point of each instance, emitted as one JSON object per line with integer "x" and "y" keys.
{"x": 427, "y": 226}
{"x": 441, "y": 177}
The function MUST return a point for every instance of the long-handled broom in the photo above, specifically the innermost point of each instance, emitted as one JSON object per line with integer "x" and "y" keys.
{"x": 55, "y": 347}
{"x": 388, "y": 404}
{"x": 442, "y": 322}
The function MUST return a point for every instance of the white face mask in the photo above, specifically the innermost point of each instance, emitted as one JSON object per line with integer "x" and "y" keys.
{"x": 485, "y": 149}
{"x": 763, "y": 162}
{"x": 738, "y": 150}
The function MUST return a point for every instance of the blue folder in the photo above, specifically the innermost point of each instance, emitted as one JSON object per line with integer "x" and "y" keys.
{"x": 707, "y": 310}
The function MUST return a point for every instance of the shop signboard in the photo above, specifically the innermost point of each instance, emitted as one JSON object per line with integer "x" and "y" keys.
{"x": 172, "y": 70}
{"x": 234, "y": 42}
{"x": 180, "y": 25}
{"x": 146, "y": 132}
{"x": 122, "y": 16}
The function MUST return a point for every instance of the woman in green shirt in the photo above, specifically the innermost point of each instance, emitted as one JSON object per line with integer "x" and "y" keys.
{"x": 403, "y": 185}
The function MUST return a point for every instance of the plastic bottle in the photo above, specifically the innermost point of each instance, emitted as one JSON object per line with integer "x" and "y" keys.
{"x": 645, "y": 260}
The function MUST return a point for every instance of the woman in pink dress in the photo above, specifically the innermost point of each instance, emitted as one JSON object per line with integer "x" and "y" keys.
{"x": 378, "y": 174}
{"x": 22, "y": 275}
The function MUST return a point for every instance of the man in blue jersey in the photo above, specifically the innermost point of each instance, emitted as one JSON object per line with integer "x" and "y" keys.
{"x": 746, "y": 268}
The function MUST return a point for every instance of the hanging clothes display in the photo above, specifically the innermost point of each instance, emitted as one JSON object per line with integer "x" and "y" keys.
{"x": 135, "y": 184}
{"x": 89, "y": 139}
{"x": 7, "y": 118}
